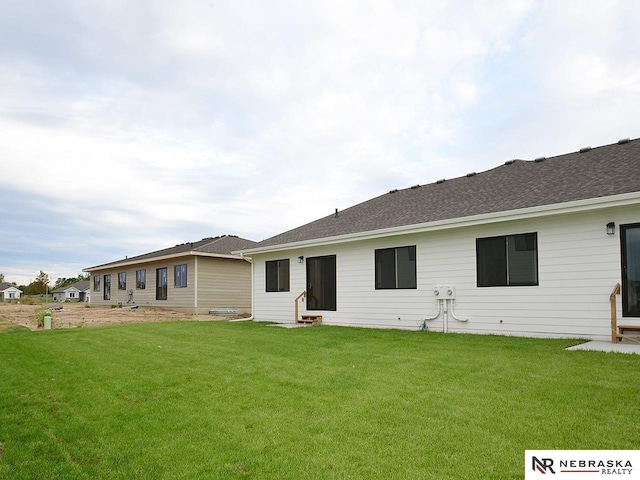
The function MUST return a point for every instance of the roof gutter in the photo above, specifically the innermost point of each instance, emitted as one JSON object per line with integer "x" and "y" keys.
{"x": 447, "y": 224}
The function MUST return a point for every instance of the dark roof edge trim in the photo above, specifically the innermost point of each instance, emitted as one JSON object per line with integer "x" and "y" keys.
{"x": 502, "y": 216}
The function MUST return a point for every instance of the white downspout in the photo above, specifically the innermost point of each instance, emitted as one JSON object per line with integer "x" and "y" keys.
{"x": 253, "y": 300}
{"x": 195, "y": 284}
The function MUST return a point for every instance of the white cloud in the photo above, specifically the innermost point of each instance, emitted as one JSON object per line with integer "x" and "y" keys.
{"x": 143, "y": 123}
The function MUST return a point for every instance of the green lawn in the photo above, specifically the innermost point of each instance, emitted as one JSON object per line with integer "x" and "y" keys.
{"x": 245, "y": 400}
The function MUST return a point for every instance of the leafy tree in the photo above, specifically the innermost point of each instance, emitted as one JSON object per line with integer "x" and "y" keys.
{"x": 38, "y": 286}
{"x": 60, "y": 282}
{"x": 42, "y": 278}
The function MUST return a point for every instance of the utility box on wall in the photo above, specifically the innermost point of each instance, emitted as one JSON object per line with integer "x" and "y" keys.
{"x": 444, "y": 292}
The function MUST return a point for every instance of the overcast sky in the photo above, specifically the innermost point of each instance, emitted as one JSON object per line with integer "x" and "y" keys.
{"x": 130, "y": 126}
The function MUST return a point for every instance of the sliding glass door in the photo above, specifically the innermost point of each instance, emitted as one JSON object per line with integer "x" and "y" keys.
{"x": 321, "y": 283}
{"x": 630, "y": 238}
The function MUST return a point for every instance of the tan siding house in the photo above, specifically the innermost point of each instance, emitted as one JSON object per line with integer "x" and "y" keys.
{"x": 196, "y": 276}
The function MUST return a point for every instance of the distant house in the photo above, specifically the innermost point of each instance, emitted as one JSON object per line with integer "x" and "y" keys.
{"x": 77, "y": 292}
{"x": 196, "y": 276}
{"x": 532, "y": 248}
{"x": 9, "y": 292}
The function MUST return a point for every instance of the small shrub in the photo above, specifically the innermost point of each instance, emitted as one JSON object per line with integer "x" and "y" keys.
{"x": 40, "y": 314}
{"x": 87, "y": 305}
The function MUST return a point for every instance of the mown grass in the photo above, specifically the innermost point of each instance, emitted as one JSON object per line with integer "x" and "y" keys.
{"x": 245, "y": 400}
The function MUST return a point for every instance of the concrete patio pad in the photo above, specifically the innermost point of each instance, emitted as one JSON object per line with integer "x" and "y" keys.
{"x": 602, "y": 346}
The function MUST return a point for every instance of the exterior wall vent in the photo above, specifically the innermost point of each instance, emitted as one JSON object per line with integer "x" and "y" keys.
{"x": 585, "y": 149}
{"x": 540, "y": 159}
{"x": 622, "y": 141}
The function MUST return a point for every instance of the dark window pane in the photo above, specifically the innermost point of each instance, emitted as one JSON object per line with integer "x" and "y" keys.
{"x": 283, "y": 275}
{"x": 107, "y": 288}
{"x": 180, "y": 275}
{"x": 161, "y": 283}
{"x": 406, "y": 267}
{"x": 491, "y": 261}
{"x": 386, "y": 268}
{"x": 141, "y": 279}
{"x": 321, "y": 283}
{"x": 277, "y": 275}
{"x": 395, "y": 268}
{"x": 508, "y": 260}
{"x": 522, "y": 259}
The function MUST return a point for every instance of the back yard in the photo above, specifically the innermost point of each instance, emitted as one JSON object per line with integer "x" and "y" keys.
{"x": 247, "y": 400}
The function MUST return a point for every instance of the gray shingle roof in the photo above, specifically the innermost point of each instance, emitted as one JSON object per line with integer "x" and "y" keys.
{"x": 222, "y": 245}
{"x": 599, "y": 172}
{"x": 82, "y": 285}
{"x": 5, "y": 285}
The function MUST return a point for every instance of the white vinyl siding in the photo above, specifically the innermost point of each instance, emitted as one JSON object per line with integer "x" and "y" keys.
{"x": 578, "y": 266}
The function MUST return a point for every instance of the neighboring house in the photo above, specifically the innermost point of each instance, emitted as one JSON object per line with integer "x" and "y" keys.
{"x": 77, "y": 292}
{"x": 530, "y": 248}
{"x": 197, "y": 276}
{"x": 9, "y": 292}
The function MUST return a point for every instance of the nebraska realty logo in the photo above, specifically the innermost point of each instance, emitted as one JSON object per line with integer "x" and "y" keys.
{"x": 582, "y": 464}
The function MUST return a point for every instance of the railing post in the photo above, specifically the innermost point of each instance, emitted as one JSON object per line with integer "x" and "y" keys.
{"x": 614, "y": 313}
{"x": 303, "y": 294}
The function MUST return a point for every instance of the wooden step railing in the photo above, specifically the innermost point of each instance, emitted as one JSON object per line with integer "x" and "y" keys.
{"x": 305, "y": 319}
{"x": 614, "y": 313}
{"x": 618, "y": 332}
{"x": 302, "y": 295}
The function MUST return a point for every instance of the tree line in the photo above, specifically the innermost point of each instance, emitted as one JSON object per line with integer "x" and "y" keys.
{"x": 42, "y": 284}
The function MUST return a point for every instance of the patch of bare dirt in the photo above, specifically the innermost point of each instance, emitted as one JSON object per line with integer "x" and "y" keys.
{"x": 72, "y": 315}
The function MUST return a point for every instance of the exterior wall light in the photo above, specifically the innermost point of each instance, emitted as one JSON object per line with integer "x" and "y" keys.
{"x": 300, "y": 259}
{"x": 611, "y": 228}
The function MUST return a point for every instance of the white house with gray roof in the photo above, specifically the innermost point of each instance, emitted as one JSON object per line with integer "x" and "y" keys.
{"x": 530, "y": 248}
{"x": 76, "y": 292}
{"x": 197, "y": 277}
{"x": 9, "y": 292}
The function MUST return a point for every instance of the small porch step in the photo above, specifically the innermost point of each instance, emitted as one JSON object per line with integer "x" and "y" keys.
{"x": 633, "y": 335}
{"x": 310, "y": 319}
